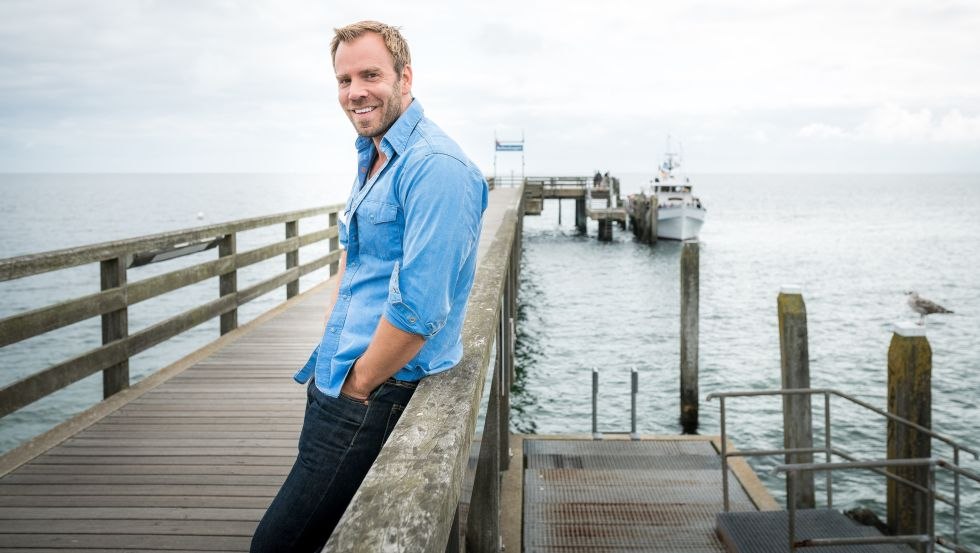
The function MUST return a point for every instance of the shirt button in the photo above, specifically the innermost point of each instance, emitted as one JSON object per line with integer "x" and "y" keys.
{"x": 411, "y": 319}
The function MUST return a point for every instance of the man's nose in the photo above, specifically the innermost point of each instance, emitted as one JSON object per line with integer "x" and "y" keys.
{"x": 356, "y": 90}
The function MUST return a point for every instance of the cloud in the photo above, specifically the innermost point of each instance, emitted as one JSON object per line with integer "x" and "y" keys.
{"x": 758, "y": 136}
{"x": 186, "y": 86}
{"x": 894, "y": 124}
{"x": 821, "y": 131}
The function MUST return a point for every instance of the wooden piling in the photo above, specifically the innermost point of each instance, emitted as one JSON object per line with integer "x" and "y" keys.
{"x": 690, "y": 277}
{"x": 580, "y": 215}
{"x": 909, "y": 397}
{"x": 605, "y": 230}
{"x": 795, "y": 373}
{"x": 651, "y": 222}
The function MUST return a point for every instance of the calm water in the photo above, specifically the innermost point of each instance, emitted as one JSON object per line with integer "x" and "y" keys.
{"x": 854, "y": 243}
{"x": 47, "y": 212}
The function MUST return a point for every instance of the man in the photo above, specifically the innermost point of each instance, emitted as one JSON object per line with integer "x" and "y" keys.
{"x": 410, "y": 231}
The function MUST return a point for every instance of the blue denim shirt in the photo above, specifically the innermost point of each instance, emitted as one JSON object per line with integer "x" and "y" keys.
{"x": 411, "y": 234}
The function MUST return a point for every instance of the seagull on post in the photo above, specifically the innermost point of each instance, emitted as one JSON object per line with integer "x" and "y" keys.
{"x": 923, "y": 306}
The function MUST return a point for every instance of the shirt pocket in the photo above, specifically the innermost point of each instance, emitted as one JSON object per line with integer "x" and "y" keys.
{"x": 380, "y": 228}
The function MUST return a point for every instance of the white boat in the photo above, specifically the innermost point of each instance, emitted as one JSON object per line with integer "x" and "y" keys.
{"x": 680, "y": 213}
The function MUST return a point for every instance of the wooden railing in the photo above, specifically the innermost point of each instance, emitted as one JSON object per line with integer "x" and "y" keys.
{"x": 118, "y": 293}
{"x": 409, "y": 501}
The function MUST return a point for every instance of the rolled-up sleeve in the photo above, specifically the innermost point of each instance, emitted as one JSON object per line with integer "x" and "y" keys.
{"x": 443, "y": 201}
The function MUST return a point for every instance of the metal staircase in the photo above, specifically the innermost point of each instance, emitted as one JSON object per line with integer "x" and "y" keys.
{"x": 826, "y": 528}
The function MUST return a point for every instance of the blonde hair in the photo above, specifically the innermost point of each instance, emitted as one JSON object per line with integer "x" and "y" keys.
{"x": 393, "y": 39}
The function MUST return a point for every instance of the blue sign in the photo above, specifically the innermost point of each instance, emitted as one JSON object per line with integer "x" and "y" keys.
{"x": 510, "y": 146}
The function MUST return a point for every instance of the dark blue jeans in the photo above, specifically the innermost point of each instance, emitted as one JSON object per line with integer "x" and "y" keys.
{"x": 341, "y": 437}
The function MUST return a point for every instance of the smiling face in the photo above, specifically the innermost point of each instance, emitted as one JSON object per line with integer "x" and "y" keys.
{"x": 370, "y": 92}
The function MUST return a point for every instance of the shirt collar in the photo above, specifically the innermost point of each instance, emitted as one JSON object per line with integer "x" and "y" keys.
{"x": 399, "y": 133}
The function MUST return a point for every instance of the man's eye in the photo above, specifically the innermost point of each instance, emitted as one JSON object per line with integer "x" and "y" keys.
{"x": 343, "y": 82}
{"x": 373, "y": 76}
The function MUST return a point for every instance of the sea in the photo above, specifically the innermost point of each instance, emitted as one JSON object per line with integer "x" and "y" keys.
{"x": 853, "y": 243}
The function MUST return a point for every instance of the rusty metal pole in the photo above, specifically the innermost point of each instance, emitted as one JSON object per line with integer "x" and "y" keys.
{"x": 795, "y": 371}
{"x": 909, "y": 397}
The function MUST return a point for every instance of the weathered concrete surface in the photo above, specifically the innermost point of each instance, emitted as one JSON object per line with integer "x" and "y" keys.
{"x": 795, "y": 372}
{"x": 909, "y": 397}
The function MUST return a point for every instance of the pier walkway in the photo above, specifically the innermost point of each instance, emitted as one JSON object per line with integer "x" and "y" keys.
{"x": 187, "y": 459}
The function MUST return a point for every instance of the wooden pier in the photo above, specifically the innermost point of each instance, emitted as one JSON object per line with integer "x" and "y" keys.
{"x": 583, "y": 190}
{"x": 188, "y": 458}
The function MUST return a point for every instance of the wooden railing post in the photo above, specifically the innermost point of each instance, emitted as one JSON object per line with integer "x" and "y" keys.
{"x": 690, "y": 276}
{"x": 909, "y": 397}
{"x": 228, "y": 283}
{"x": 483, "y": 518}
{"x": 334, "y": 244}
{"x": 292, "y": 258}
{"x": 115, "y": 325}
{"x": 795, "y": 369}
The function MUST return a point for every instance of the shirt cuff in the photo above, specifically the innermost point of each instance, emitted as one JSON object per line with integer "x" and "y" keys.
{"x": 402, "y": 316}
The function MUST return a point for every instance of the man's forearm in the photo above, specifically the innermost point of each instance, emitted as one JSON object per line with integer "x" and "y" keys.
{"x": 390, "y": 349}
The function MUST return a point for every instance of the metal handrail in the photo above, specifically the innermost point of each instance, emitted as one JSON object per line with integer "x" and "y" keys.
{"x": 829, "y": 450}
{"x": 838, "y": 393}
{"x": 793, "y": 470}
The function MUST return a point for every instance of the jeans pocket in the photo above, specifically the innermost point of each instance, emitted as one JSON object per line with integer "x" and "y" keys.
{"x": 354, "y": 400}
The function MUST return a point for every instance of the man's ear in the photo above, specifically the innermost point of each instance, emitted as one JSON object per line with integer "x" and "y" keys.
{"x": 407, "y": 81}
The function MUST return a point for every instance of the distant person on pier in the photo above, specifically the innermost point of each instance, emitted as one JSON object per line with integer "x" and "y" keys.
{"x": 596, "y": 179}
{"x": 410, "y": 232}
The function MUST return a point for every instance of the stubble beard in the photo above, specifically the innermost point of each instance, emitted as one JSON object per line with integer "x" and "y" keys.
{"x": 392, "y": 111}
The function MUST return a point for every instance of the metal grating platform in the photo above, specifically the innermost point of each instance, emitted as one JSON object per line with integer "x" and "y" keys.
{"x": 656, "y": 495}
{"x": 766, "y": 532}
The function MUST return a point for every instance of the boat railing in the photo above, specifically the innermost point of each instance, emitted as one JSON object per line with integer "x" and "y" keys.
{"x": 829, "y": 450}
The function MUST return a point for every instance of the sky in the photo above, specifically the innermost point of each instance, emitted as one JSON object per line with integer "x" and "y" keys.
{"x": 753, "y": 86}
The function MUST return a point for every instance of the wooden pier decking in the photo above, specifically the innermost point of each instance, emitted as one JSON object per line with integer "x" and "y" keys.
{"x": 187, "y": 459}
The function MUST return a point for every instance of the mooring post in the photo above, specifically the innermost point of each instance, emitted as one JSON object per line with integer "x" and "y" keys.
{"x": 909, "y": 397}
{"x": 651, "y": 222}
{"x": 634, "y": 390}
{"x": 794, "y": 364}
{"x": 690, "y": 277}
{"x": 605, "y": 230}
{"x": 596, "y": 435}
{"x": 580, "y": 217}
